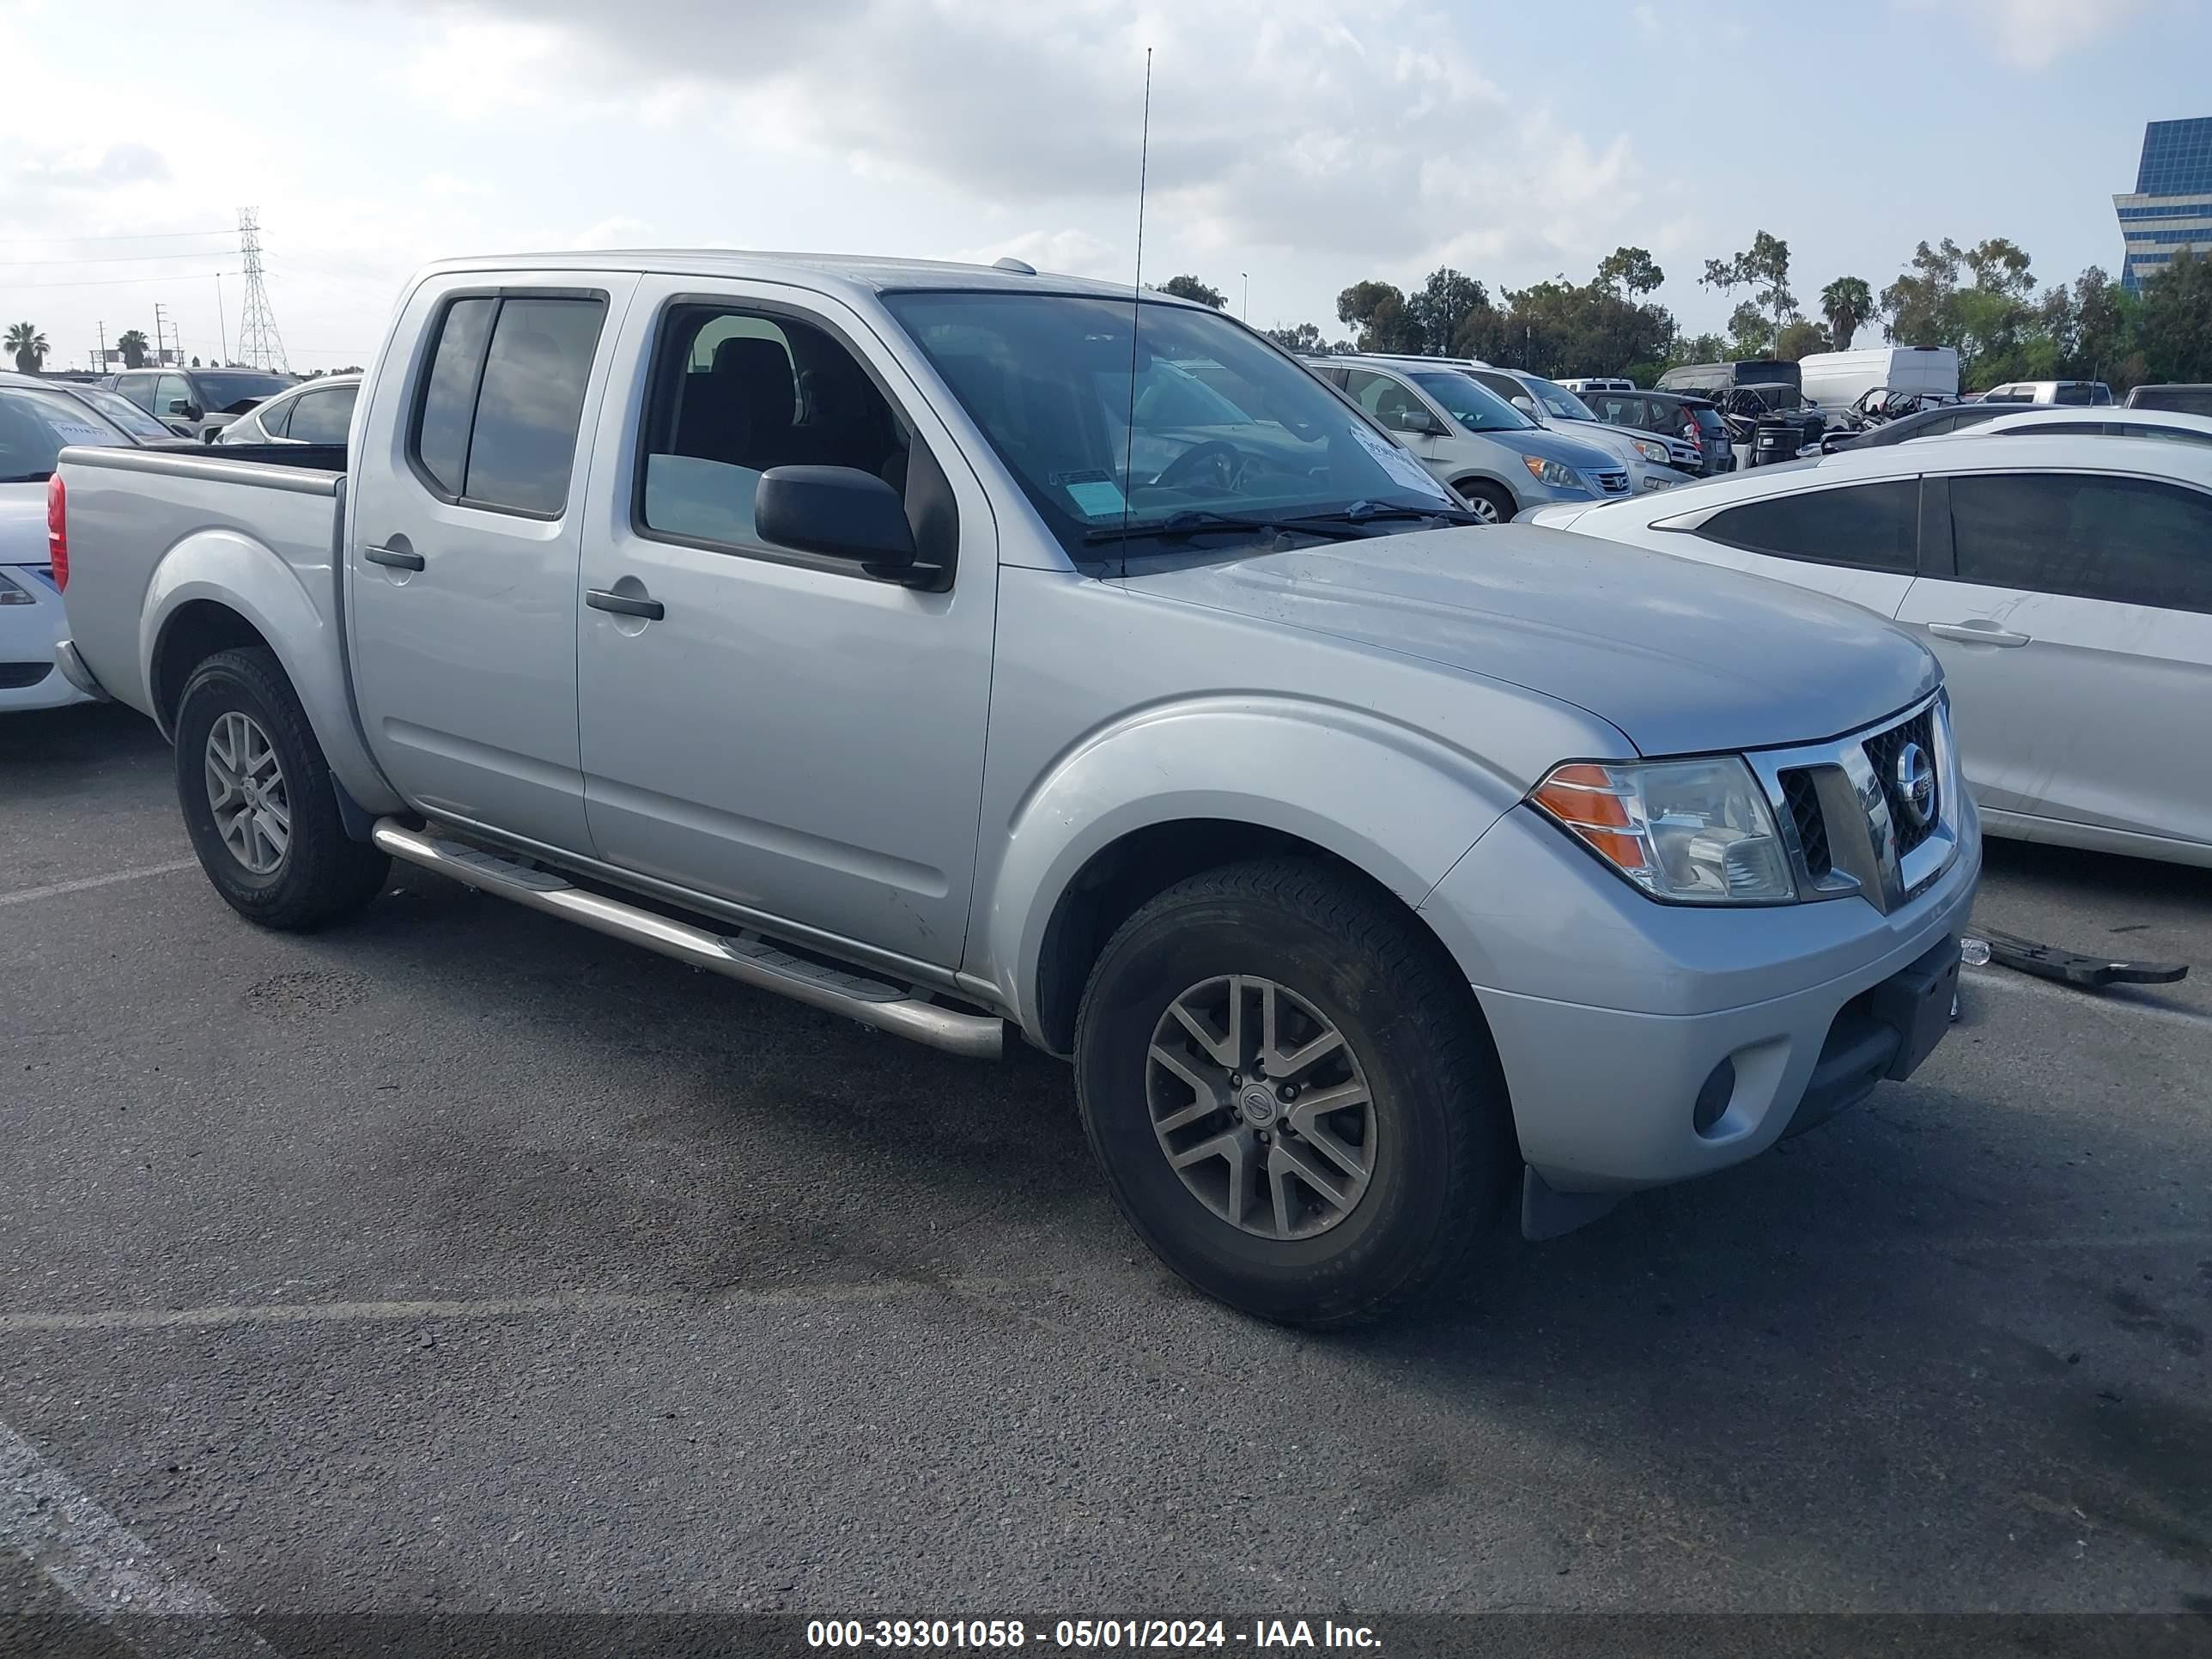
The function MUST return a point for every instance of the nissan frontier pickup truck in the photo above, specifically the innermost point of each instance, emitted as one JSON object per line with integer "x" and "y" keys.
{"x": 962, "y": 649}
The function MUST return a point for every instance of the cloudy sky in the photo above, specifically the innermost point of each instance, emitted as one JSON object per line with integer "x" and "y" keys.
{"x": 1307, "y": 143}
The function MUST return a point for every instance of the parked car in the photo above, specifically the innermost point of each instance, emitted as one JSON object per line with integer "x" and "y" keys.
{"x": 2063, "y": 580}
{"x": 36, "y": 422}
{"x": 1841, "y": 381}
{"x": 1496, "y": 459}
{"x": 1696, "y": 421}
{"x": 1654, "y": 460}
{"x": 1369, "y": 865}
{"x": 1718, "y": 380}
{"x": 316, "y": 412}
{"x": 2184, "y": 399}
{"x": 2081, "y": 393}
{"x": 1927, "y": 424}
{"x": 112, "y": 407}
{"x": 198, "y": 403}
{"x": 2117, "y": 423}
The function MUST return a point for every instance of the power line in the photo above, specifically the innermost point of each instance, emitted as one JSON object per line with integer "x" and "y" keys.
{"x": 116, "y": 282}
{"x": 117, "y": 259}
{"x": 124, "y": 236}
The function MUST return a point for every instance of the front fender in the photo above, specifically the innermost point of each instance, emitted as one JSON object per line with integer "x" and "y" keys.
{"x": 1395, "y": 802}
{"x": 231, "y": 569}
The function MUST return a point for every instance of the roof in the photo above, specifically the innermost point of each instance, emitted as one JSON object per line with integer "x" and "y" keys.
{"x": 861, "y": 272}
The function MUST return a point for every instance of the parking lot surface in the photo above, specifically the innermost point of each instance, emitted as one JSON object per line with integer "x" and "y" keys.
{"x": 458, "y": 1259}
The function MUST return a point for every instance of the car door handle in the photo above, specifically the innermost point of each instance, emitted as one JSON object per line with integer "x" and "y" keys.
{"x": 395, "y": 557}
{"x": 622, "y": 604}
{"x": 1976, "y": 634}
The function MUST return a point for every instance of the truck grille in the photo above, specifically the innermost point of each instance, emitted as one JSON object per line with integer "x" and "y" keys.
{"x": 1882, "y": 750}
{"x": 1613, "y": 481}
{"x": 1811, "y": 826}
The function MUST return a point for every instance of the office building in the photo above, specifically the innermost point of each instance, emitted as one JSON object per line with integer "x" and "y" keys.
{"x": 2171, "y": 206}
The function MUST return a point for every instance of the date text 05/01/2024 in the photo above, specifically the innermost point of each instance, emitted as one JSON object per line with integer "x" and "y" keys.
{"x": 1109, "y": 1635}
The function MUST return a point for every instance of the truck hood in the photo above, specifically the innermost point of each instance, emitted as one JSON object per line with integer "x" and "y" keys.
{"x": 1683, "y": 658}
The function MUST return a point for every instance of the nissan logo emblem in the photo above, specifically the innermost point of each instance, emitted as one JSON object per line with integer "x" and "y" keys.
{"x": 1916, "y": 784}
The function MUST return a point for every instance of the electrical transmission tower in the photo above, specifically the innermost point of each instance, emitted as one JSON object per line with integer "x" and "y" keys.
{"x": 258, "y": 341}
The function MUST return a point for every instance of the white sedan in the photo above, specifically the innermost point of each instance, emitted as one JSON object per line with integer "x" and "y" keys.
{"x": 34, "y": 425}
{"x": 2065, "y": 581}
{"x": 317, "y": 411}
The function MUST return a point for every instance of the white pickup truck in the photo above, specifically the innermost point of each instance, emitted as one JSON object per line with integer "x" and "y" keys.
{"x": 956, "y": 648}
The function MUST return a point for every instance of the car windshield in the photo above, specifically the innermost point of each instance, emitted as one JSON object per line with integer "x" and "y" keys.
{"x": 1558, "y": 399}
{"x": 124, "y": 413}
{"x": 1226, "y": 427}
{"x": 36, "y": 425}
{"x": 1475, "y": 407}
{"x": 234, "y": 394}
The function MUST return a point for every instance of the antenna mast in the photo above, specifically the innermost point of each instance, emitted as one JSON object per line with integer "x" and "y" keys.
{"x": 258, "y": 341}
{"x": 1136, "y": 300}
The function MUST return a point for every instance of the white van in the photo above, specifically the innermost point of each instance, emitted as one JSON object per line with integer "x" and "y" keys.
{"x": 1838, "y": 380}
{"x": 2079, "y": 393}
{"x": 1581, "y": 383}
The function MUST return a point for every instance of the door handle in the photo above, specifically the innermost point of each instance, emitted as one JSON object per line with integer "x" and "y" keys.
{"x": 1976, "y": 634}
{"x": 623, "y": 605}
{"x": 393, "y": 557}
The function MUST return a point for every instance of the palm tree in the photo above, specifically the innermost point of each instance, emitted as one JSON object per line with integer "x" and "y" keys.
{"x": 28, "y": 344}
{"x": 132, "y": 345}
{"x": 1846, "y": 302}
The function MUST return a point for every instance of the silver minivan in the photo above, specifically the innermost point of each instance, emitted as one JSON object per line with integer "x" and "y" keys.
{"x": 1497, "y": 459}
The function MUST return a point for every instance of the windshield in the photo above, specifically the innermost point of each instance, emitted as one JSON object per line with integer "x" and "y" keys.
{"x": 233, "y": 394}
{"x": 1224, "y": 423}
{"x": 124, "y": 413}
{"x": 1475, "y": 407}
{"x": 1558, "y": 399}
{"x": 36, "y": 425}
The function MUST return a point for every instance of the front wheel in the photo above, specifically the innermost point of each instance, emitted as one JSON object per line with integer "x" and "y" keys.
{"x": 1487, "y": 501}
{"x": 1291, "y": 1094}
{"x": 257, "y": 798}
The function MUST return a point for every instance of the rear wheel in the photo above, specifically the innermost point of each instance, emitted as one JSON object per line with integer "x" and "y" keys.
{"x": 257, "y": 798}
{"x": 1487, "y": 501}
{"x": 1291, "y": 1093}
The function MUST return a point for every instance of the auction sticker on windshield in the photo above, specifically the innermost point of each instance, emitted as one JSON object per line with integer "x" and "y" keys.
{"x": 1398, "y": 464}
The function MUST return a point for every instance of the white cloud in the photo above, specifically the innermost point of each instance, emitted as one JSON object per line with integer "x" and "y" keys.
{"x": 1068, "y": 253}
{"x": 2032, "y": 34}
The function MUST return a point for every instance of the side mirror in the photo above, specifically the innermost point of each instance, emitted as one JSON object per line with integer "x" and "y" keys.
{"x": 837, "y": 511}
{"x": 1416, "y": 421}
{"x": 181, "y": 406}
{"x": 1525, "y": 404}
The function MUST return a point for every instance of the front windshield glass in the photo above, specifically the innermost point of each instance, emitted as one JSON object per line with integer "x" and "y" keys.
{"x": 36, "y": 425}
{"x": 124, "y": 413}
{"x": 1475, "y": 407}
{"x": 1556, "y": 397}
{"x": 234, "y": 394}
{"x": 1224, "y": 423}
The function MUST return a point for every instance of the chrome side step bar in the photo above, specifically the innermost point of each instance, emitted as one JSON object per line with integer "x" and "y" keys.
{"x": 746, "y": 957}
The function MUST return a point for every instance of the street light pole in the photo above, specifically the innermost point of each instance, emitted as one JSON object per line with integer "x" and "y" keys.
{"x": 1247, "y": 276}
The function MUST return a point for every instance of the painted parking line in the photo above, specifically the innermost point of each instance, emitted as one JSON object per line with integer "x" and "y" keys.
{"x": 106, "y": 1569}
{"x": 84, "y": 883}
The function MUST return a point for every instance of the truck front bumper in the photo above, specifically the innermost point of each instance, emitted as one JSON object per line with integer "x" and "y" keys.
{"x": 1644, "y": 1043}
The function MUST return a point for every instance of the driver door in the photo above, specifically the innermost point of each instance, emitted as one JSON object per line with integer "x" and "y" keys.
{"x": 1392, "y": 402}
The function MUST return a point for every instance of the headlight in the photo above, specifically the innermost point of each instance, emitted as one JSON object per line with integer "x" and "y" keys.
{"x": 13, "y": 592}
{"x": 1550, "y": 472}
{"x": 1650, "y": 452}
{"x": 1694, "y": 831}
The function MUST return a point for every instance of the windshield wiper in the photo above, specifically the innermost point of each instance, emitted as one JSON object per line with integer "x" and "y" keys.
{"x": 1197, "y": 521}
{"x": 1367, "y": 512}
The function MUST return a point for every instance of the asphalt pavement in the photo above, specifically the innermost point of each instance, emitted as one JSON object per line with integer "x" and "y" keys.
{"x": 458, "y": 1259}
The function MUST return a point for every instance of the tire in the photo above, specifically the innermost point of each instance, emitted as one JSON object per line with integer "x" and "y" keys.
{"x": 1436, "y": 1137}
{"x": 1484, "y": 498}
{"x": 320, "y": 874}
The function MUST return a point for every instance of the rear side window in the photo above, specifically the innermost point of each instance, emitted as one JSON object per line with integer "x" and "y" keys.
{"x": 274, "y": 422}
{"x": 504, "y": 399}
{"x": 1873, "y": 526}
{"x": 322, "y": 417}
{"x": 2133, "y": 541}
{"x": 2074, "y": 393}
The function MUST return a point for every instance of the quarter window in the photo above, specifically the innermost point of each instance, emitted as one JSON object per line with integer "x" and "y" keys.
{"x": 2133, "y": 541}
{"x": 274, "y": 422}
{"x": 504, "y": 399}
{"x": 1873, "y": 526}
{"x": 322, "y": 417}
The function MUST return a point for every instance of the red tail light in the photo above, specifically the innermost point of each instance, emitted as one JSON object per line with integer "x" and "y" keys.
{"x": 58, "y": 530}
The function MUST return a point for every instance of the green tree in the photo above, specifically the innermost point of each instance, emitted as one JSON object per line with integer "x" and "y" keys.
{"x": 2177, "y": 319}
{"x": 2000, "y": 266}
{"x": 1846, "y": 303}
{"x": 1915, "y": 308}
{"x": 1751, "y": 332}
{"x": 1441, "y": 305}
{"x": 1189, "y": 287}
{"x": 132, "y": 345}
{"x": 1378, "y": 311}
{"x": 1560, "y": 327}
{"x": 27, "y": 345}
{"x": 1764, "y": 267}
{"x": 1629, "y": 270}
{"x": 1302, "y": 338}
{"x": 1801, "y": 336}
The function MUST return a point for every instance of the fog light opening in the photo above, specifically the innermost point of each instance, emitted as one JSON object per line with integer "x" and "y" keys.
{"x": 1713, "y": 1099}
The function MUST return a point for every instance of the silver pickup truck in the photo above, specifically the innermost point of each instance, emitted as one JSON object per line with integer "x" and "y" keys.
{"x": 959, "y": 648}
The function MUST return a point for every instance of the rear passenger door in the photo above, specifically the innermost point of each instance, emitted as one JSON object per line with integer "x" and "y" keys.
{"x": 1859, "y": 542}
{"x": 462, "y": 541}
{"x": 2073, "y": 614}
{"x": 782, "y": 730}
